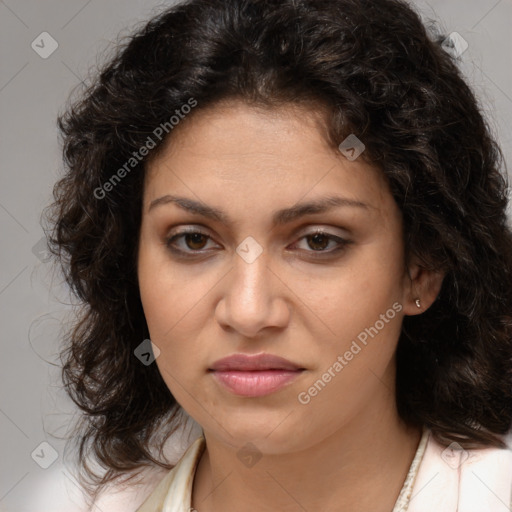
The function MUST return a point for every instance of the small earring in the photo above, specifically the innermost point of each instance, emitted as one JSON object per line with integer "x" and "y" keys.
{"x": 418, "y": 303}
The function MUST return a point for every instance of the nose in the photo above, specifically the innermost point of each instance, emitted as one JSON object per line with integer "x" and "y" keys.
{"x": 253, "y": 298}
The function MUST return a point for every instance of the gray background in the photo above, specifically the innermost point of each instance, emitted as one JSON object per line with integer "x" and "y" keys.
{"x": 33, "y": 301}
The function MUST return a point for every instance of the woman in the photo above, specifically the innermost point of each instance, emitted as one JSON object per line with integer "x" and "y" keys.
{"x": 287, "y": 219}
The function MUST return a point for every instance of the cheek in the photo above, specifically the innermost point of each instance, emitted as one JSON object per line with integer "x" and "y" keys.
{"x": 175, "y": 306}
{"x": 172, "y": 309}
{"x": 169, "y": 293}
{"x": 354, "y": 359}
{"x": 354, "y": 295}
{"x": 361, "y": 307}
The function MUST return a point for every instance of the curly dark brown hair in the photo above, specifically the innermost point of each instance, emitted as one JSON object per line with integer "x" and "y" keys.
{"x": 380, "y": 74}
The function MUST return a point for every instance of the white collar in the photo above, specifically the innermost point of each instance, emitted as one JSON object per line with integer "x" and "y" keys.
{"x": 437, "y": 480}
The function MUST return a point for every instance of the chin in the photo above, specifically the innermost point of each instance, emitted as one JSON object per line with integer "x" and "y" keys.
{"x": 267, "y": 432}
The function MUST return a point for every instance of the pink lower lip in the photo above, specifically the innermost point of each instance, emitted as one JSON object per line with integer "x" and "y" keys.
{"x": 255, "y": 383}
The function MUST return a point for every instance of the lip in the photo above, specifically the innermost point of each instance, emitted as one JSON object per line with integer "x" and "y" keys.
{"x": 248, "y": 363}
{"x": 256, "y": 375}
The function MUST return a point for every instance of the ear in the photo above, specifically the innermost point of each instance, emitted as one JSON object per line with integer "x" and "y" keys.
{"x": 422, "y": 284}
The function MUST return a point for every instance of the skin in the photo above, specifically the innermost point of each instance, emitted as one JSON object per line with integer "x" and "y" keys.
{"x": 346, "y": 449}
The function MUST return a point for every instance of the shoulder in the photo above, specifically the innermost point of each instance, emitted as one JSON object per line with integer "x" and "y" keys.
{"x": 451, "y": 478}
{"x": 132, "y": 495}
{"x": 128, "y": 497}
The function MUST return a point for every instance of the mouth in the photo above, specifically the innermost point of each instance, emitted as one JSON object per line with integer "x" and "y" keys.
{"x": 256, "y": 375}
{"x": 255, "y": 383}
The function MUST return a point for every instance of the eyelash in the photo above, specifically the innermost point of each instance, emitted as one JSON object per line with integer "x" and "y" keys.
{"x": 342, "y": 243}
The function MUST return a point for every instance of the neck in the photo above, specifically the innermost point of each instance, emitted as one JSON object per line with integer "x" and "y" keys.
{"x": 361, "y": 466}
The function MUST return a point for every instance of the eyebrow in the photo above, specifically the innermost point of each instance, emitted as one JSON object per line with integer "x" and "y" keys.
{"x": 279, "y": 217}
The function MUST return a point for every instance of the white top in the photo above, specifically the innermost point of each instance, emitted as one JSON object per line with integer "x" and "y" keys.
{"x": 439, "y": 479}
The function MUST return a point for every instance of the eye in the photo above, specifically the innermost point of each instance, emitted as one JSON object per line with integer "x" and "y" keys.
{"x": 192, "y": 240}
{"x": 320, "y": 240}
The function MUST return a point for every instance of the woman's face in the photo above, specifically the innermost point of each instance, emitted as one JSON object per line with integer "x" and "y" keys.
{"x": 255, "y": 279}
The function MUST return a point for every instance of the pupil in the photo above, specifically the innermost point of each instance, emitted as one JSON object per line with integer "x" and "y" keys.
{"x": 196, "y": 238}
{"x": 316, "y": 239}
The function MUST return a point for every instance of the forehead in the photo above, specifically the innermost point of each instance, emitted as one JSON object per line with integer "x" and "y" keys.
{"x": 259, "y": 153}
{"x": 235, "y": 129}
